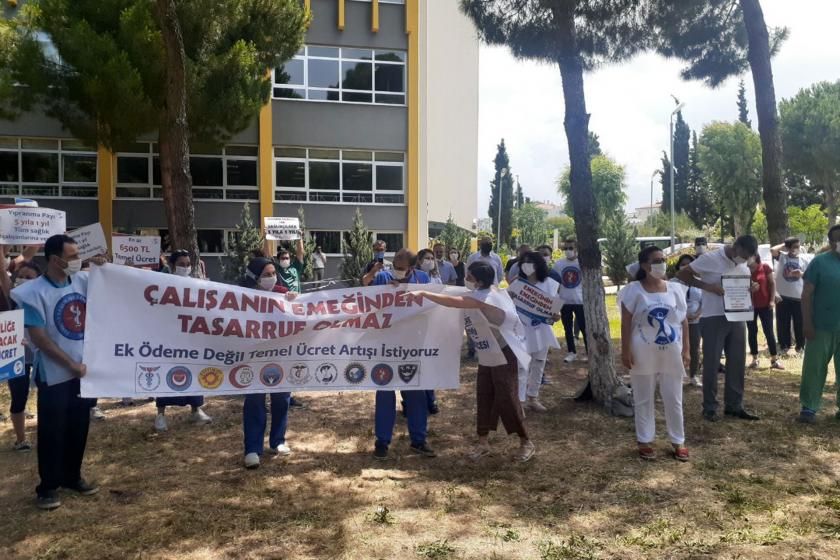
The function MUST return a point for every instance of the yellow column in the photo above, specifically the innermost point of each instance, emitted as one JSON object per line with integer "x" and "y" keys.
{"x": 412, "y": 9}
{"x": 107, "y": 162}
{"x": 266, "y": 163}
{"x": 341, "y": 15}
{"x": 374, "y": 16}
{"x": 308, "y": 5}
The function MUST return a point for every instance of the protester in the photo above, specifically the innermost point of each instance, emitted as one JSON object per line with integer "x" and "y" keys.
{"x": 458, "y": 266}
{"x": 763, "y": 290}
{"x": 512, "y": 266}
{"x": 319, "y": 264}
{"x": 448, "y": 276}
{"x": 378, "y": 264}
{"x": 427, "y": 263}
{"x": 63, "y": 416}
{"x": 415, "y": 403}
{"x": 261, "y": 274}
{"x": 821, "y": 323}
{"x": 497, "y": 392}
{"x": 701, "y": 245}
{"x": 539, "y": 335}
{"x": 180, "y": 264}
{"x": 718, "y": 333}
{"x": 655, "y": 349}
{"x": 790, "y": 271}
{"x": 694, "y": 310}
{"x": 571, "y": 292}
{"x": 485, "y": 254}
{"x": 547, "y": 254}
{"x": 291, "y": 269}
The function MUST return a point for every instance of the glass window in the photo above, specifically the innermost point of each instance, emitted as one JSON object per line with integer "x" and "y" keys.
{"x": 390, "y": 56}
{"x": 354, "y": 97}
{"x": 290, "y": 73}
{"x": 357, "y": 75}
{"x": 394, "y": 241}
{"x": 79, "y": 168}
{"x": 356, "y": 155}
{"x": 211, "y": 241}
{"x": 330, "y": 241}
{"x": 357, "y": 176}
{"x": 328, "y": 52}
{"x": 9, "y": 166}
{"x": 389, "y": 177}
{"x": 9, "y": 190}
{"x": 242, "y": 151}
{"x": 133, "y": 169}
{"x": 291, "y": 174}
{"x": 290, "y": 93}
{"x": 390, "y": 156}
{"x": 390, "y": 78}
{"x": 290, "y": 152}
{"x": 133, "y": 192}
{"x": 360, "y": 54}
{"x": 324, "y": 154}
{"x": 323, "y": 73}
{"x": 324, "y": 175}
{"x": 39, "y": 167}
{"x": 38, "y": 144}
{"x": 236, "y": 194}
{"x": 206, "y": 172}
{"x": 241, "y": 172}
{"x": 80, "y": 191}
{"x": 39, "y": 190}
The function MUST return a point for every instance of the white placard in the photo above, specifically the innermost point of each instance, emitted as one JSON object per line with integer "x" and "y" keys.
{"x": 90, "y": 241}
{"x": 30, "y": 226}
{"x": 533, "y": 302}
{"x": 140, "y": 250}
{"x": 282, "y": 229}
{"x": 737, "y": 298}
{"x": 12, "y": 357}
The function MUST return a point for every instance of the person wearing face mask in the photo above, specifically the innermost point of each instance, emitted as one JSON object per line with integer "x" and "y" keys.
{"x": 415, "y": 403}
{"x": 458, "y": 266}
{"x": 763, "y": 290}
{"x": 427, "y": 263}
{"x": 485, "y": 254}
{"x": 821, "y": 318}
{"x": 290, "y": 270}
{"x": 378, "y": 264}
{"x": 790, "y": 273}
{"x": 654, "y": 348}
{"x": 180, "y": 264}
{"x": 571, "y": 292}
{"x": 448, "y": 276}
{"x": 717, "y": 332}
{"x": 261, "y": 274}
{"x": 512, "y": 266}
{"x": 539, "y": 335}
{"x": 694, "y": 304}
{"x": 319, "y": 264}
{"x": 700, "y": 246}
{"x": 547, "y": 253}
{"x": 54, "y": 313}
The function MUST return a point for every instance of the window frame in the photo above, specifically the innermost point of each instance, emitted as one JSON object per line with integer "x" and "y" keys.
{"x": 59, "y": 152}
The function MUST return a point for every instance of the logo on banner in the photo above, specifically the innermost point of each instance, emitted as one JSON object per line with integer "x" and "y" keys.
{"x": 241, "y": 376}
{"x": 326, "y": 374}
{"x": 355, "y": 373}
{"x": 18, "y": 368}
{"x": 570, "y": 277}
{"x": 382, "y": 374}
{"x": 69, "y": 316}
{"x": 299, "y": 374}
{"x": 179, "y": 378}
{"x": 407, "y": 372}
{"x": 656, "y": 319}
{"x": 149, "y": 378}
{"x": 211, "y": 377}
{"x": 271, "y": 375}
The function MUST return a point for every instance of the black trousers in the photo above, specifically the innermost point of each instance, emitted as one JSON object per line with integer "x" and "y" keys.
{"x": 568, "y": 315}
{"x": 63, "y": 421}
{"x": 766, "y": 317}
{"x": 789, "y": 310}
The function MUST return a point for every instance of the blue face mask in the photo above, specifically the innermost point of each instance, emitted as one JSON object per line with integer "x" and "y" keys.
{"x": 379, "y": 255}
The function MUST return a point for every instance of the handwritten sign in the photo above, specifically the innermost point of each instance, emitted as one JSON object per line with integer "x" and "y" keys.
{"x": 12, "y": 357}
{"x": 737, "y": 298}
{"x": 90, "y": 240}
{"x": 282, "y": 229}
{"x": 139, "y": 250}
{"x": 30, "y": 226}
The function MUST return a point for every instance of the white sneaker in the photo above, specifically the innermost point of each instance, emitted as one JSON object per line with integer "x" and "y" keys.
{"x": 96, "y": 413}
{"x": 570, "y": 357}
{"x": 201, "y": 417}
{"x": 283, "y": 450}
{"x": 252, "y": 461}
{"x": 160, "y": 423}
{"x": 535, "y": 405}
{"x": 695, "y": 382}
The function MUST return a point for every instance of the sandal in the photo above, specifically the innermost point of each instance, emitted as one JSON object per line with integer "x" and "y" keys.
{"x": 526, "y": 452}
{"x": 646, "y": 452}
{"x": 680, "y": 453}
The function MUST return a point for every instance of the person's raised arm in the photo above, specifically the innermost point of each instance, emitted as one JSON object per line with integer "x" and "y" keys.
{"x": 808, "y": 311}
{"x": 776, "y": 250}
{"x": 370, "y": 276}
{"x": 39, "y": 337}
{"x": 300, "y": 252}
{"x": 687, "y": 276}
{"x": 493, "y": 313}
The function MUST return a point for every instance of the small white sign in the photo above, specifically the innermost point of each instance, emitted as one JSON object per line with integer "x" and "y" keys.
{"x": 30, "y": 226}
{"x": 282, "y": 229}
{"x": 139, "y": 250}
{"x": 737, "y": 298}
{"x": 12, "y": 356}
{"x": 90, "y": 240}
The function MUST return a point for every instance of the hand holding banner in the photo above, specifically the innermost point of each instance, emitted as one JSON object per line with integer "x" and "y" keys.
{"x": 90, "y": 241}
{"x": 30, "y": 226}
{"x": 140, "y": 250}
{"x": 282, "y": 229}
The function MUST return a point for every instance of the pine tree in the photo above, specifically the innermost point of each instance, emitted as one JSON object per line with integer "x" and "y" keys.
{"x": 702, "y": 203}
{"x": 594, "y": 145}
{"x": 520, "y": 197}
{"x": 245, "y": 239}
{"x": 620, "y": 247}
{"x": 504, "y": 177}
{"x": 454, "y": 237}
{"x": 743, "y": 110}
{"x": 357, "y": 251}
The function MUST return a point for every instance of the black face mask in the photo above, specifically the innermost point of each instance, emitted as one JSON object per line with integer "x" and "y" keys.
{"x": 486, "y": 247}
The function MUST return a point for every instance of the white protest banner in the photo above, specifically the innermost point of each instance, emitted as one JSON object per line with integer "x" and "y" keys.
{"x": 140, "y": 250}
{"x": 533, "y": 302}
{"x": 28, "y": 202}
{"x": 282, "y": 229}
{"x": 21, "y": 225}
{"x": 90, "y": 241}
{"x": 12, "y": 357}
{"x": 150, "y": 334}
{"x": 737, "y": 297}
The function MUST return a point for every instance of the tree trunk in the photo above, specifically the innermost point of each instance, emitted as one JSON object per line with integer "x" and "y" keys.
{"x": 775, "y": 198}
{"x": 602, "y": 375}
{"x": 173, "y": 140}
{"x": 831, "y": 191}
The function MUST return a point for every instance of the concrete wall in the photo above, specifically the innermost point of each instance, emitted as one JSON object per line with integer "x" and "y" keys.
{"x": 357, "y": 22}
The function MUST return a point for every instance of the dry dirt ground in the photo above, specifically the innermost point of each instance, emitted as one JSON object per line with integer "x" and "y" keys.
{"x": 766, "y": 489}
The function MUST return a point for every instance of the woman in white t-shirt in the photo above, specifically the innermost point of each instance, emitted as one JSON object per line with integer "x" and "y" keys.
{"x": 539, "y": 336}
{"x": 654, "y": 347}
{"x": 694, "y": 303}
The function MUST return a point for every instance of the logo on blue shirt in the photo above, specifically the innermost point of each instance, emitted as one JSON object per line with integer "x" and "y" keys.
{"x": 570, "y": 277}
{"x": 666, "y": 334}
{"x": 69, "y": 316}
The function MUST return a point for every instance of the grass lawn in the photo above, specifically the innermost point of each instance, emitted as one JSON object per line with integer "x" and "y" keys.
{"x": 765, "y": 489}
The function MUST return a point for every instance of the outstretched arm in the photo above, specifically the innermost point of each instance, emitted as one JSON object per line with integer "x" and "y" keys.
{"x": 493, "y": 313}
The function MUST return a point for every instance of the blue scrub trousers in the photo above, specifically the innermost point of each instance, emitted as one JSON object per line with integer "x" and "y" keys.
{"x": 254, "y": 420}
{"x": 416, "y": 411}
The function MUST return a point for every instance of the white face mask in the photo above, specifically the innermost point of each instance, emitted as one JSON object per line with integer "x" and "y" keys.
{"x": 837, "y": 248}
{"x": 398, "y": 274}
{"x": 794, "y": 253}
{"x": 571, "y": 254}
{"x": 453, "y": 256}
{"x": 183, "y": 270}
{"x": 285, "y": 263}
{"x": 700, "y": 249}
{"x": 528, "y": 269}
{"x": 739, "y": 260}
{"x": 73, "y": 267}
{"x": 659, "y": 270}
{"x": 427, "y": 265}
{"x": 470, "y": 285}
{"x": 267, "y": 283}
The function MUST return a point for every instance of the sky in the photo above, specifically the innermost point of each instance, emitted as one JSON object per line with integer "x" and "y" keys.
{"x": 631, "y": 103}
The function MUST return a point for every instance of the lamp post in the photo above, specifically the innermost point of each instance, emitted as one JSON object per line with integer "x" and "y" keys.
{"x": 502, "y": 175}
{"x": 678, "y": 108}
{"x": 652, "y": 177}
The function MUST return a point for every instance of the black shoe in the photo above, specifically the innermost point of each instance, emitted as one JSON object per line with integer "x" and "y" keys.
{"x": 49, "y": 501}
{"x": 434, "y": 408}
{"x": 423, "y": 450}
{"x": 710, "y": 415}
{"x": 742, "y": 414}
{"x": 294, "y": 403}
{"x": 380, "y": 452}
{"x": 83, "y": 488}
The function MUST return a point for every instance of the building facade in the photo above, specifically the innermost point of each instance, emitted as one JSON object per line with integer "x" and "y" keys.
{"x": 377, "y": 111}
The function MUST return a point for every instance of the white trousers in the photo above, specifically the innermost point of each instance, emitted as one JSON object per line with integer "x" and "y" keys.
{"x": 530, "y": 379}
{"x": 644, "y": 398}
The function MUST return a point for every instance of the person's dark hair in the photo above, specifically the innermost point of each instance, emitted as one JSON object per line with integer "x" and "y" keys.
{"x": 175, "y": 255}
{"x": 483, "y": 274}
{"x": 700, "y": 241}
{"x": 832, "y": 230}
{"x": 683, "y": 258}
{"x": 254, "y": 270}
{"x": 256, "y": 253}
{"x": 748, "y": 243}
{"x": 541, "y": 247}
{"x": 281, "y": 252}
{"x": 55, "y": 245}
{"x": 540, "y": 268}
{"x": 644, "y": 256}
{"x": 791, "y": 241}
{"x": 406, "y": 255}
{"x": 570, "y": 240}
{"x": 31, "y": 265}
{"x": 436, "y": 245}
{"x": 317, "y": 248}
